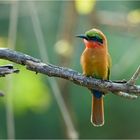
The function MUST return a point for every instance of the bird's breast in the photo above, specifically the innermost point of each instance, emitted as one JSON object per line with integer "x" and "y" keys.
{"x": 94, "y": 62}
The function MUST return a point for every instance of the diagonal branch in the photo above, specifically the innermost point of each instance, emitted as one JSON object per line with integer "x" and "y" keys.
{"x": 37, "y": 66}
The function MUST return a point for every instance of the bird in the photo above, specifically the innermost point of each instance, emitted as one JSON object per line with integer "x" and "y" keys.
{"x": 96, "y": 63}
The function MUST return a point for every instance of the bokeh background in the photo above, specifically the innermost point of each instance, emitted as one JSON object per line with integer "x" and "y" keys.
{"x": 37, "y": 106}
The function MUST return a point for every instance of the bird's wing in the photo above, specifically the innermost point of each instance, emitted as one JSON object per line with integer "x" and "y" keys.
{"x": 109, "y": 65}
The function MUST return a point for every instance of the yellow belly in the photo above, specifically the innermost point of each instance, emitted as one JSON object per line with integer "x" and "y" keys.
{"x": 94, "y": 62}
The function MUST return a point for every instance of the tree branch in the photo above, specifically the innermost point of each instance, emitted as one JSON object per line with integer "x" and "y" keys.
{"x": 37, "y": 66}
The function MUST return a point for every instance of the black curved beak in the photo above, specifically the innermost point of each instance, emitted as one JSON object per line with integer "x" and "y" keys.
{"x": 82, "y": 36}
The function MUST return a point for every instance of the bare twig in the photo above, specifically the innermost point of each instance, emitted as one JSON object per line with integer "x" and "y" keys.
{"x": 135, "y": 76}
{"x": 36, "y": 65}
{"x": 12, "y": 33}
{"x": 7, "y": 69}
{"x": 71, "y": 131}
{"x": 125, "y": 95}
{"x": 131, "y": 82}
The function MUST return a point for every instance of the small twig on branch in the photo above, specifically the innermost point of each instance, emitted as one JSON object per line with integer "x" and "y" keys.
{"x": 37, "y": 66}
{"x": 134, "y": 78}
{"x": 125, "y": 95}
{"x": 131, "y": 82}
{"x": 7, "y": 69}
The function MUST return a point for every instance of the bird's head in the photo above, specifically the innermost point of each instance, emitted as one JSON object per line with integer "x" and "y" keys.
{"x": 93, "y": 38}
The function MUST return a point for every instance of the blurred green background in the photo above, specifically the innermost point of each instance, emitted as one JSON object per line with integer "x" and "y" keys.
{"x": 29, "y": 108}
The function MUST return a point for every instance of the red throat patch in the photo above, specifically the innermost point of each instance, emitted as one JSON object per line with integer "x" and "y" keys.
{"x": 92, "y": 44}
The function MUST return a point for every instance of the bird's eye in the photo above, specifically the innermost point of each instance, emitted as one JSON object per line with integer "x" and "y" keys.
{"x": 96, "y": 38}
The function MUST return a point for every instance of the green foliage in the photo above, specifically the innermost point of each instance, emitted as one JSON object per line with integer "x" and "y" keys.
{"x": 30, "y": 93}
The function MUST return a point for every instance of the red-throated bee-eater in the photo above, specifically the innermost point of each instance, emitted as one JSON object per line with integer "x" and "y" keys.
{"x": 95, "y": 61}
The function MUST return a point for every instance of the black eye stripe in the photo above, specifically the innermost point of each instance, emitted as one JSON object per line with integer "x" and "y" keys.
{"x": 95, "y": 38}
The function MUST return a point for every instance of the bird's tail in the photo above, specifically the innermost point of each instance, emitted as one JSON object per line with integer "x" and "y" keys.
{"x": 97, "y": 111}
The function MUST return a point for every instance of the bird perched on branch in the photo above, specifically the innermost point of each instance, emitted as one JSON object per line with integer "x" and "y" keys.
{"x": 95, "y": 61}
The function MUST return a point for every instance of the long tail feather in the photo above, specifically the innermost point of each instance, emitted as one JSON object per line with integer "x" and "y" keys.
{"x": 97, "y": 111}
